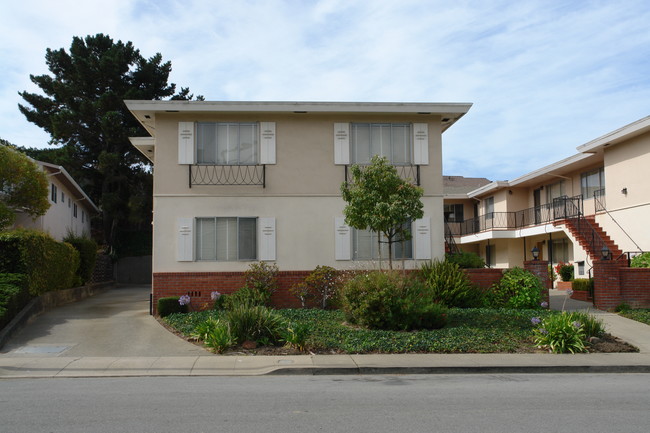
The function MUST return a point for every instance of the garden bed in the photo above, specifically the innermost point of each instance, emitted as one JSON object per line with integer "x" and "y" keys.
{"x": 467, "y": 331}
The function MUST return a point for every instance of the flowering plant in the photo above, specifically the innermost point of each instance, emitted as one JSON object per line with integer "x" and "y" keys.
{"x": 184, "y": 300}
{"x": 564, "y": 270}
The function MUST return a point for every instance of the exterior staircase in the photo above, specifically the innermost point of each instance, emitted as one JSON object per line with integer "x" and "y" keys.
{"x": 592, "y": 237}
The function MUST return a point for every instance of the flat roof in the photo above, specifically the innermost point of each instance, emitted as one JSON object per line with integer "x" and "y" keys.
{"x": 145, "y": 110}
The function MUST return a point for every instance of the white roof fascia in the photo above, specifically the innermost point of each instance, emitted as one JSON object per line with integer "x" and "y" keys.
{"x": 624, "y": 133}
{"x": 551, "y": 168}
{"x": 145, "y": 110}
{"x": 492, "y": 186}
{"x": 65, "y": 173}
{"x": 146, "y": 146}
{"x": 286, "y": 106}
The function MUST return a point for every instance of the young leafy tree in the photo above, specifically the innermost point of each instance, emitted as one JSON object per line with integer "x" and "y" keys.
{"x": 23, "y": 186}
{"x": 82, "y": 109}
{"x": 380, "y": 200}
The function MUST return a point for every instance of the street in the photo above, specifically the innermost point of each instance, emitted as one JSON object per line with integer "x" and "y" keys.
{"x": 410, "y": 403}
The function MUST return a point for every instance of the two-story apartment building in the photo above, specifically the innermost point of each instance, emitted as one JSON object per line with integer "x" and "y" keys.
{"x": 569, "y": 210}
{"x": 239, "y": 182}
{"x": 70, "y": 207}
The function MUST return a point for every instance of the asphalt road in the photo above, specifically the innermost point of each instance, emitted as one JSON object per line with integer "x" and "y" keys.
{"x": 423, "y": 403}
{"x": 114, "y": 323}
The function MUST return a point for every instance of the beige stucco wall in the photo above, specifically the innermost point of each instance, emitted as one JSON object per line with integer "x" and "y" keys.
{"x": 302, "y": 190}
{"x": 626, "y": 166}
{"x": 59, "y": 219}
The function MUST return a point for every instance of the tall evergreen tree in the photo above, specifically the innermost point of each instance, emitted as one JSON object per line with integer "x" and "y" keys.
{"x": 82, "y": 109}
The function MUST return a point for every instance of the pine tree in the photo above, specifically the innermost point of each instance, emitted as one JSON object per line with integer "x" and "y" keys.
{"x": 82, "y": 109}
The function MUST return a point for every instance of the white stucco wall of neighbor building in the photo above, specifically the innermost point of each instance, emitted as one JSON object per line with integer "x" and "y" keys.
{"x": 70, "y": 208}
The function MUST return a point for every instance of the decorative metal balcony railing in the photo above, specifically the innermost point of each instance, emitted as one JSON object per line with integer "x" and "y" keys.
{"x": 406, "y": 172}
{"x": 200, "y": 174}
{"x": 599, "y": 200}
{"x": 560, "y": 208}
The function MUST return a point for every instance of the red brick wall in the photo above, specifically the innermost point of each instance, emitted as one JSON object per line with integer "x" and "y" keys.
{"x": 539, "y": 268}
{"x": 484, "y": 278}
{"x": 615, "y": 283}
{"x": 199, "y": 286}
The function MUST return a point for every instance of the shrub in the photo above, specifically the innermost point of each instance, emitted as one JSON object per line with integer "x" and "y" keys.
{"x": 517, "y": 289}
{"x": 565, "y": 271}
{"x": 87, "y": 249}
{"x": 14, "y": 295}
{"x": 244, "y": 297}
{"x": 215, "y": 334}
{"x": 466, "y": 260}
{"x": 641, "y": 261}
{"x": 582, "y": 284}
{"x": 389, "y": 300}
{"x": 560, "y": 333}
{"x": 262, "y": 277}
{"x": 48, "y": 264}
{"x": 592, "y": 326}
{"x": 295, "y": 335}
{"x": 170, "y": 305}
{"x": 256, "y": 323}
{"x": 320, "y": 287}
{"x": 449, "y": 285}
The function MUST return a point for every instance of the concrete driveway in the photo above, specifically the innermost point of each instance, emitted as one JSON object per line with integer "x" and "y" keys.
{"x": 115, "y": 323}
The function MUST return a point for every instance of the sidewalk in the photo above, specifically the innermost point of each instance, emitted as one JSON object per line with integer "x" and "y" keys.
{"x": 46, "y": 363}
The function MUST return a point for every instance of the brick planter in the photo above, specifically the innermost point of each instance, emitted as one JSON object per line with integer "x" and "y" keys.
{"x": 581, "y": 295}
{"x": 563, "y": 285}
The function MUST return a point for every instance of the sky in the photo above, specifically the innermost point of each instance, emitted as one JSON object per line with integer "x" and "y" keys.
{"x": 543, "y": 76}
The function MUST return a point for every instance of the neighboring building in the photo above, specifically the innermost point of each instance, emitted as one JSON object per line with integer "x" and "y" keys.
{"x": 239, "y": 182}
{"x": 70, "y": 208}
{"x": 568, "y": 210}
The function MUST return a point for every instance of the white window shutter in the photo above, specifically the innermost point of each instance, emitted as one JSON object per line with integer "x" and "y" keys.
{"x": 343, "y": 239}
{"x": 266, "y": 238}
{"x": 185, "y": 239}
{"x": 267, "y": 142}
{"x": 342, "y": 143}
{"x": 422, "y": 237}
{"x": 420, "y": 144}
{"x": 186, "y": 142}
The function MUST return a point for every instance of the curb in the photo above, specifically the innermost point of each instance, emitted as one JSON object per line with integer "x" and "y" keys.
{"x": 540, "y": 369}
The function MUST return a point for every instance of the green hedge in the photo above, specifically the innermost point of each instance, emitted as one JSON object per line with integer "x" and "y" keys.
{"x": 14, "y": 295}
{"x": 87, "y": 249}
{"x": 49, "y": 265}
{"x": 170, "y": 305}
{"x": 582, "y": 284}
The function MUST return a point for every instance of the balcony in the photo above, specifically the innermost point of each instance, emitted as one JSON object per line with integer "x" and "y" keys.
{"x": 247, "y": 175}
{"x": 561, "y": 208}
{"x": 406, "y": 172}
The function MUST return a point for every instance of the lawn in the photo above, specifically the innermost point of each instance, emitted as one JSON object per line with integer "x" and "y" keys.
{"x": 641, "y": 315}
{"x": 478, "y": 330}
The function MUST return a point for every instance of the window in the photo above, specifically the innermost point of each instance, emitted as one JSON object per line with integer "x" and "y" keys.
{"x": 74, "y": 210}
{"x": 365, "y": 246}
{"x": 581, "y": 268}
{"x": 227, "y": 143}
{"x": 591, "y": 182}
{"x": 554, "y": 191}
{"x": 226, "y": 239}
{"x": 53, "y": 194}
{"x": 453, "y": 213}
{"x": 391, "y": 140}
{"x": 489, "y": 208}
{"x": 62, "y": 197}
{"x": 560, "y": 250}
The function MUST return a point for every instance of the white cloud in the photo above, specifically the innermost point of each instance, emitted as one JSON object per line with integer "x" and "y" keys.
{"x": 544, "y": 76}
